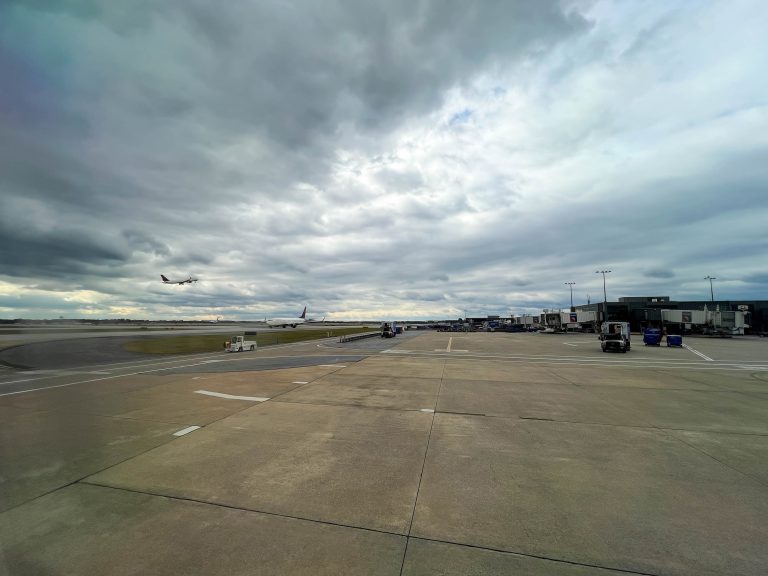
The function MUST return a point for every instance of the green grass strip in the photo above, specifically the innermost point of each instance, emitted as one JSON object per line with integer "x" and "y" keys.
{"x": 195, "y": 344}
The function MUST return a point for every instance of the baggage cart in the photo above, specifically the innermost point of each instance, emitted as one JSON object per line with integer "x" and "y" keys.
{"x": 675, "y": 340}
{"x": 652, "y": 337}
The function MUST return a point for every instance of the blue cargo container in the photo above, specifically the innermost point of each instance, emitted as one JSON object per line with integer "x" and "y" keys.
{"x": 674, "y": 340}
{"x": 652, "y": 337}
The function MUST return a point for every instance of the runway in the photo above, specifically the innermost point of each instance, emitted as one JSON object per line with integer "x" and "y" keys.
{"x": 429, "y": 453}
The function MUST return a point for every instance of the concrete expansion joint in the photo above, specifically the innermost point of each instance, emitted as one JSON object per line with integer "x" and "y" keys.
{"x": 755, "y": 479}
{"x": 618, "y": 571}
{"x": 725, "y": 432}
{"x": 85, "y": 481}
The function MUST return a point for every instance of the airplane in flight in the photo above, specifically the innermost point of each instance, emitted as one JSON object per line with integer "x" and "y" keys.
{"x": 185, "y": 281}
{"x": 292, "y": 322}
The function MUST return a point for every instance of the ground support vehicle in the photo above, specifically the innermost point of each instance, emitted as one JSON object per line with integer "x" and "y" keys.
{"x": 615, "y": 336}
{"x": 388, "y": 330}
{"x": 652, "y": 337}
{"x": 238, "y": 343}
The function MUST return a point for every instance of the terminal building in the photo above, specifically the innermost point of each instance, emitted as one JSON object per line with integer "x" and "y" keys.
{"x": 644, "y": 311}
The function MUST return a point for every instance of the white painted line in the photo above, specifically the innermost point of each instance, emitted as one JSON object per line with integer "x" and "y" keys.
{"x": 707, "y": 358}
{"x": 427, "y": 410}
{"x": 231, "y": 397}
{"x": 331, "y": 366}
{"x": 174, "y": 366}
{"x": 300, "y": 382}
{"x": 448, "y": 348}
{"x": 642, "y": 362}
{"x": 186, "y": 430}
{"x": 569, "y": 344}
{"x": 17, "y": 381}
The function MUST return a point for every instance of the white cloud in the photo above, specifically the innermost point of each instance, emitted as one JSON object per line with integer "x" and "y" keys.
{"x": 381, "y": 162}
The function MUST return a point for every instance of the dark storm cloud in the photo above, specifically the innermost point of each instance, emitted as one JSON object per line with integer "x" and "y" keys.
{"x": 458, "y": 154}
{"x": 291, "y": 72}
{"x": 659, "y": 273}
{"x": 145, "y": 243}
{"x": 55, "y": 249}
{"x": 757, "y": 278}
{"x": 369, "y": 63}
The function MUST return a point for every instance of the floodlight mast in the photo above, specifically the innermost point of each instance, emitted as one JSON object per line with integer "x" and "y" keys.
{"x": 605, "y": 296}
{"x": 711, "y": 290}
{"x": 570, "y": 284}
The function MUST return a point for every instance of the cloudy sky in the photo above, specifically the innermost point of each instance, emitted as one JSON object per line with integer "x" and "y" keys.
{"x": 374, "y": 159}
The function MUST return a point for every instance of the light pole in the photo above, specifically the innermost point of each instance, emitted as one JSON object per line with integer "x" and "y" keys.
{"x": 605, "y": 296}
{"x": 571, "y": 286}
{"x": 711, "y": 290}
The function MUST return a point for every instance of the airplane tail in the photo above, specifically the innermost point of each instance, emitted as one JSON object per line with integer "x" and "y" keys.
{"x": 164, "y": 278}
{"x": 304, "y": 314}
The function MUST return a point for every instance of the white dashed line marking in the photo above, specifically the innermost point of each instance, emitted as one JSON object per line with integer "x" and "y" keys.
{"x": 231, "y": 397}
{"x": 186, "y": 430}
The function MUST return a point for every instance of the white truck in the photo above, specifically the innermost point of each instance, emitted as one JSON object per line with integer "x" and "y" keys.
{"x": 615, "y": 336}
{"x": 388, "y": 330}
{"x": 239, "y": 343}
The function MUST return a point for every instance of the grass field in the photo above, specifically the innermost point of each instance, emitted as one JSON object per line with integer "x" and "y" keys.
{"x": 193, "y": 344}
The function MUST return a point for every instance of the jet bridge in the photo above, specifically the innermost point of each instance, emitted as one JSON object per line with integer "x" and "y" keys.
{"x": 715, "y": 322}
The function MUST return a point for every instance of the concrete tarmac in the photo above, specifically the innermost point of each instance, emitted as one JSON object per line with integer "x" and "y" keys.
{"x": 433, "y": 453}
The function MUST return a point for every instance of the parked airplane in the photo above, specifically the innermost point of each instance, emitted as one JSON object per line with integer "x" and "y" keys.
{"x": 185, "y": 281}
{"x": 292, "y": 322}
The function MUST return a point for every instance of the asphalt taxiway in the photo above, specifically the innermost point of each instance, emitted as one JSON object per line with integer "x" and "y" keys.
{"x": 432, "y": 453}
